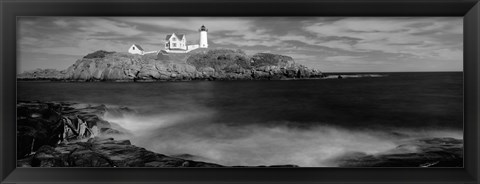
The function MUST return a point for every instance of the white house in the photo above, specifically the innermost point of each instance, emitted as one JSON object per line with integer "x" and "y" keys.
{"x": 136, "y": 49}
{"x": 175, "y": 42}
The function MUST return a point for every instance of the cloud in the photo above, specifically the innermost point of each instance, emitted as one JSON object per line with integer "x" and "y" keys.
{"x": 449, "y": 54}
{"x": 97, "y": 26}
{"x": 298, "y": 37}
{"x": 61, "y": 23}
{"x": 239, "y": 41}
{"x": 421, "y": 37}
{"x": 343, "y": 58}
{"x": 76, "y": 36}
{"x": 341, "y": 44}
{"x": 311, "y": 41}
{"x": 214, "y": 24}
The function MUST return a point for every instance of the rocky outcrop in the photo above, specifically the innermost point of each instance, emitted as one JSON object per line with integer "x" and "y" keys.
{"x": 424, "y": 152}
{"x": 98, "y": 152}
{"x": 62, "y": 134}
{"x": 200, "y": 64}
{"x": 50, "y": 134}
{"x": 42, "y": 74}
{"x": 52, "y": 123}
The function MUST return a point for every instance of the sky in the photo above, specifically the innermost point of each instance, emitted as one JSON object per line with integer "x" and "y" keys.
{"x": 329, "y": 44}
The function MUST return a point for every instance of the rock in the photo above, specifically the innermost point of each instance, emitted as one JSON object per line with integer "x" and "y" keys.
{"x": 148, "y": 71}
{"x": 43, "y": 141}
{"x": 98, "y": 54}
{"x": 427, "y": 152}
{"x": 260, "y": 75}
{"x": 42, "y": 74}
{"x": 268, "y": 59}
{"x": 200, "y": 64}
{"x": 47, "y": 156}
{"x": 37, "y": 124}
{"x": 50, "y": 123}
{"x": 290, "y": 165}
{"x": 110, "y": 131}
{"x": 207, "y": 72}
{"x": 63, "y": 134}
{"x": 105, "y": 153}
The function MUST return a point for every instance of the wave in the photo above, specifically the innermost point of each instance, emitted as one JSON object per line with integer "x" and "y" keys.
{"x": 192, "y": 133}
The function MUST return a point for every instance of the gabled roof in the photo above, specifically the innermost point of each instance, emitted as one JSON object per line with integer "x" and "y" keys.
{"x": 178, "y": 36}
{"x": 138, "y": 47}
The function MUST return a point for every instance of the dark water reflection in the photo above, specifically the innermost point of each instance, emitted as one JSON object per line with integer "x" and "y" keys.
{"x": 399, "y": 100}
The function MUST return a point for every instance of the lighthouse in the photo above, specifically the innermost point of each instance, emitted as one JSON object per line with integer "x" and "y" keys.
{"x": 203, "y": 37}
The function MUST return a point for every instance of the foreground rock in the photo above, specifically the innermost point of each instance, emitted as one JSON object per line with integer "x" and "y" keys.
{"x": 63, "y": 134}
{"x": 427, "y": 152}
{"x": 98, "y": 152}
{"x": 51, "y": 123}
{"x": 50, "y": 134}
{"x": 200, "y": 64}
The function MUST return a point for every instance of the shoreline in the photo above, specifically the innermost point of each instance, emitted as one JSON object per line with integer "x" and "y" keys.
{"x": 77, "y": 148}
{"x": 71, "y": 134}
{"x": 325, "y": 77}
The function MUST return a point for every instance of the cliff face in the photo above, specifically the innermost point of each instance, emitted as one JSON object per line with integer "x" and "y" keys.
{"x": 201, "y": 64}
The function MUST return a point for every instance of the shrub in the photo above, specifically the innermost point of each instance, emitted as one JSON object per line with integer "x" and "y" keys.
{"x": 220, "y": 59}
{"x": 267, "y": 59}
{"x": 98, "y": 54}
{"x": 264, "y": 59}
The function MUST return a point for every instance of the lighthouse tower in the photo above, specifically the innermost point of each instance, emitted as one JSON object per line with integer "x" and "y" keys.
{"x": 203, "y": 37}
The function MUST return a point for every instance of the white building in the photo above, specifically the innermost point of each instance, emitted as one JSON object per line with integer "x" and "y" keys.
{"x": 136, "y": 49}
{"x": 176, "y": 42}
{"x": 203, "y": 37}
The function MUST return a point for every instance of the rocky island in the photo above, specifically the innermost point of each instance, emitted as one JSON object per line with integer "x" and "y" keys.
{"x": 200, "y": 64}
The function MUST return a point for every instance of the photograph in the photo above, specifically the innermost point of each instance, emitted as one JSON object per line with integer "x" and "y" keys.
{"x": 288, "y": 92}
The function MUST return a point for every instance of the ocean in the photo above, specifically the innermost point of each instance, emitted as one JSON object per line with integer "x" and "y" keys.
{"x": 301, "y": 122}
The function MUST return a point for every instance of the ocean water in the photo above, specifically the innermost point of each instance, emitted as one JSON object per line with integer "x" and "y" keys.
{"x": 301, "y": 122}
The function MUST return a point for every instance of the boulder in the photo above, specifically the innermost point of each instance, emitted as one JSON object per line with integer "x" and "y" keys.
{"x": 37, "y": 124}
{"x": 50, "y": 123}
{"x": 148, "y": 71}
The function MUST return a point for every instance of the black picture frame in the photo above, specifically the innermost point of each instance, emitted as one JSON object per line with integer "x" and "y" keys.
{"x": 468, "y": 9}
